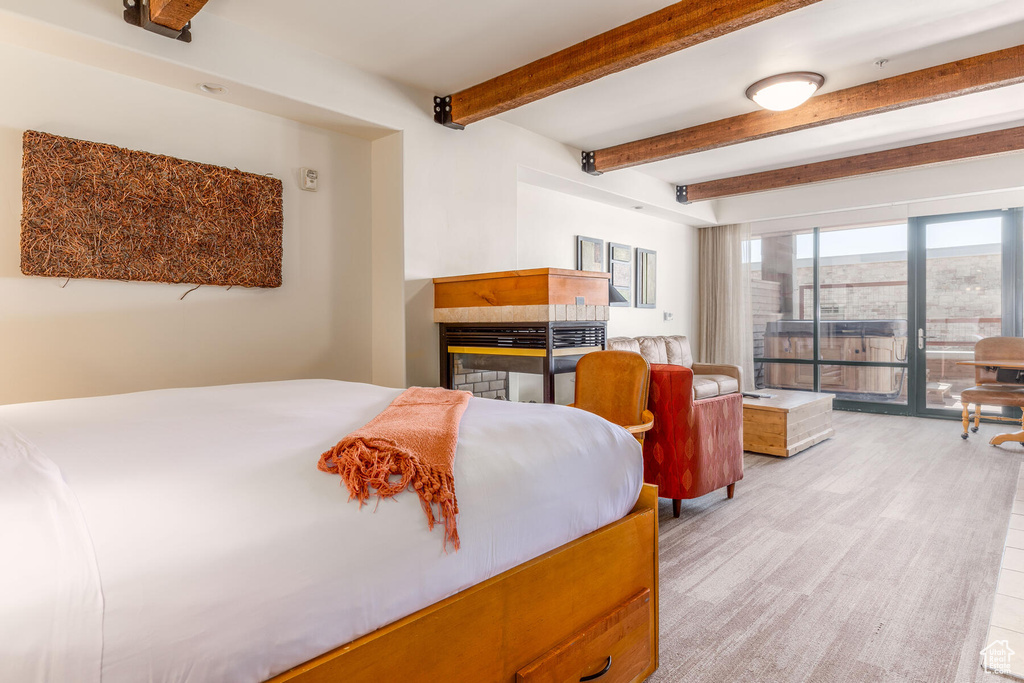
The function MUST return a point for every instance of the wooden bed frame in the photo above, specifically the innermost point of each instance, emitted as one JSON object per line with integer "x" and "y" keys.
{"x": 588, "y": 605}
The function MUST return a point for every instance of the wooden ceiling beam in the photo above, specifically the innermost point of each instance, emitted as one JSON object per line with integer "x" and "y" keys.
{"x": 962, "y": 77}
{"x": 174, "y": 14}
{"x": 966, "y": 147}
{"x": 655, "y": 35}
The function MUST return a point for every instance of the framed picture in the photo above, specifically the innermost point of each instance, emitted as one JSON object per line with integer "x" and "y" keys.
{"x": 646, "y": 278}
{"x": 620, "y": 265}
{"x": 589, "y": 254}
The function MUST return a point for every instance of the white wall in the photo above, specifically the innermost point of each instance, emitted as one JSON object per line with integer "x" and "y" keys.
{"x": 458, "y": 189}
{"x": 549, "y": 222}
{"x": 462, "y": 210}
{"x": 388, "y": 263}
{"x": 98, "y": 337}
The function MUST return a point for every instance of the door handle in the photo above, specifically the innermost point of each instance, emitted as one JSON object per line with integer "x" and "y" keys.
{"x": 920, "y": 338}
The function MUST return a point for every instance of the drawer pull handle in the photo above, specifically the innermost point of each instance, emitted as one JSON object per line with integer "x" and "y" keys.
{"x": 602, "y": 672}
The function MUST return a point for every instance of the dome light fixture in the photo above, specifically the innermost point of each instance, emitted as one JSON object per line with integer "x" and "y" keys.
{"x": 785, "y": 91}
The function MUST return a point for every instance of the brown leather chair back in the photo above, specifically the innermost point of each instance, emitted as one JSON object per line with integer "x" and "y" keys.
{"x": 996, "y": 348}
{"x": 613, "y": 384}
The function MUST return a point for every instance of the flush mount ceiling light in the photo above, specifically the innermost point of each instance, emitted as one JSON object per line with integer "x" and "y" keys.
{"x": 785, "y": 91}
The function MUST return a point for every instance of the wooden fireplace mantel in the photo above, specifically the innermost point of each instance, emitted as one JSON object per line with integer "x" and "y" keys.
{"x": 536, "y": 287}
{"x": 535, "y": 295}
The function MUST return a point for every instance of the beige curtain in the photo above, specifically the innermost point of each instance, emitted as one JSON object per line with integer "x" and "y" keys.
{"x": 725, "y": 331}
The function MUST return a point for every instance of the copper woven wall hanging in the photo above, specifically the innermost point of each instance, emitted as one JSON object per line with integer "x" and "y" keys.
{"x": 92, "y": 210}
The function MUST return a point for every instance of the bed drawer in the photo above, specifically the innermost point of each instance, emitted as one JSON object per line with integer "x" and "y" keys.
{"x": 619, "y": 644}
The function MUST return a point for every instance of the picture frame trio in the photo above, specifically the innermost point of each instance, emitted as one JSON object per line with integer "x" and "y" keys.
{"x": 590, "y": 254}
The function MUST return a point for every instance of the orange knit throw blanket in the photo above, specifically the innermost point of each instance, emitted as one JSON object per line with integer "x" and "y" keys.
{"x": 414, "y": 438}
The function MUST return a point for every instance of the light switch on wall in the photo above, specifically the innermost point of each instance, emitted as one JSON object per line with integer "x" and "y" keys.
{"x": 668, "y": 316}
{"x": 309, "y": 179}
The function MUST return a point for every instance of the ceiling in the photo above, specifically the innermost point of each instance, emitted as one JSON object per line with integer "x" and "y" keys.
{"x": 443, "y": 47}
{"x": 439, "y": 45}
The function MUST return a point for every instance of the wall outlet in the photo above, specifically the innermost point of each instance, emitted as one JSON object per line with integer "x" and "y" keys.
{"x": 309, "y": 178}
{"x": 668, "y": 316}
{"x": 581, "y": 301}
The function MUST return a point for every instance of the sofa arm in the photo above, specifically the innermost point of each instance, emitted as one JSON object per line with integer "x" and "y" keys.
{"x": 733, "y": 371}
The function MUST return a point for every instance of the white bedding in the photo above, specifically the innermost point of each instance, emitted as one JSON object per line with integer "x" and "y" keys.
{"x": 51, "y": 608}
{"x": 223, "y": 554}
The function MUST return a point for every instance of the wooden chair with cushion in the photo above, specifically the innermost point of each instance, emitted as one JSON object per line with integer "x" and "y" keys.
{"x": 991, "y": 388}
{"x": 614, "y": 385}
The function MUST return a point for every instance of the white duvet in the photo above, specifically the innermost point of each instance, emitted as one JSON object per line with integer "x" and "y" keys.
{"x": 187, "y": 535}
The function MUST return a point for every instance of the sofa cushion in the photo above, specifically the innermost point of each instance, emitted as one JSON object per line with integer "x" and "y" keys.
{"x": 653, "y": 349}
{"x": 624, "y": 344}
{"x": 726, "y": 384}
{"x": 670, "y": 350}
{"x": 677, "y": 348}
{"x": 704, "y": 386}
{"x": 709, "y": 386}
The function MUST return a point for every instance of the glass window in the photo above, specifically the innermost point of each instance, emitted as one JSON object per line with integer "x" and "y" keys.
{"x": 862, "y": 273}
{"x": 862, "y": 286}
{"x": 866, "y": 383}
{"x": 782, "y": 298}
{"x": 799, "y": 376}
{"x": 846, "y": 294}
{"x": 964, "y": 302}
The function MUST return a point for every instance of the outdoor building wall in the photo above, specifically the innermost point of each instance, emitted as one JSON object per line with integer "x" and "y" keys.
{"x": 961, "y": 287}
{"x": 965, "y": 287}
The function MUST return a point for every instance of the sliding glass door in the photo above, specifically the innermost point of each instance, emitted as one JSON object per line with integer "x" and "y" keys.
{"x": 968, "y": 286}
{"x": 880, "y": 315}
{"x": 862, "y": 276}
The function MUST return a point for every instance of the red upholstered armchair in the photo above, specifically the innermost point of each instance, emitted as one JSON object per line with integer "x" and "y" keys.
{"x": 696, "y": 444}
{"x": 695, "y": 447}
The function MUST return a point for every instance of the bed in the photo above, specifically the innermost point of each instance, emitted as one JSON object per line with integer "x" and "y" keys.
{"x": 186, "y": 535}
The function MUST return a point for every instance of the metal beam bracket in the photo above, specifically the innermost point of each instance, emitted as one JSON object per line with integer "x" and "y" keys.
{"x": 681, "y": 194}
{"x": 443, "y": 113}
{"x": 587, "y": 163}
{"x": 136, "y": 13}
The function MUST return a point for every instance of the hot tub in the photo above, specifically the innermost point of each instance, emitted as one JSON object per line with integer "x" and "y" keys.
{"x": 841, "y": 340}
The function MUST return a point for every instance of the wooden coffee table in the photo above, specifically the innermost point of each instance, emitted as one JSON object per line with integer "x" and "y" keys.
{"x": 787, "y": 423}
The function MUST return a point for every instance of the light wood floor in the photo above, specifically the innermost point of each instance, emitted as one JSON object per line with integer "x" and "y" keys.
{"x": 1008, "y": 607}
{"x": 872, "y": 556}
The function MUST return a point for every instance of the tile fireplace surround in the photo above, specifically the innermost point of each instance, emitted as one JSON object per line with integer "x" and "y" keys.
{"x": 493, "y": 384}
{"x": 520, "y": 314}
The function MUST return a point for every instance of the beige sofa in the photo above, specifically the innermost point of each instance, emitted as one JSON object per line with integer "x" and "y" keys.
{"x": 709, "y": 380}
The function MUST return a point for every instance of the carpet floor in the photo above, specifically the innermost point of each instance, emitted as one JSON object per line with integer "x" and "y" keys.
{"x": 870, "y": 557}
